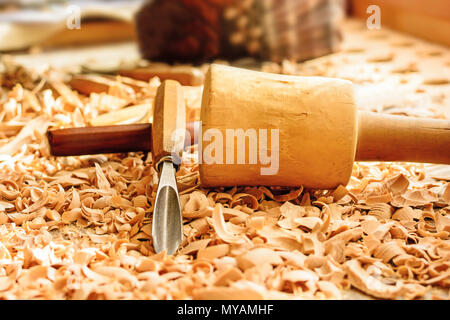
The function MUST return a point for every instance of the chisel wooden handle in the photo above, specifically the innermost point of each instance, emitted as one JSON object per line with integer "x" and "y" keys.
{"x": 108, "y": 139}
{"x": 383, "y": 137}
{"x": 169, "y": 122}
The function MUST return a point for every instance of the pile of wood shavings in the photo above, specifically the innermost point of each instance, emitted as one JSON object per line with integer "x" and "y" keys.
{"x": 80, "y": 227}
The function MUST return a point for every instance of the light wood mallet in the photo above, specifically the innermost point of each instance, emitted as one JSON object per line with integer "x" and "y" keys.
{"x": 169, "y": 116}
{"x": 321, "y": 132}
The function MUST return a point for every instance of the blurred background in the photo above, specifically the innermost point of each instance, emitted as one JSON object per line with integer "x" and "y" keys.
{"x": 192, "y": 31}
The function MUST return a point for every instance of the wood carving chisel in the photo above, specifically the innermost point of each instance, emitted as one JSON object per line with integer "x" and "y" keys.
{"x": 169, "y": 123}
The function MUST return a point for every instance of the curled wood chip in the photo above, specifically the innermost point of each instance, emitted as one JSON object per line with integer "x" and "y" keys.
{"x": 116, "y": 273}
{"x": 414, "y": 198}
{"x": 140, "y": 201}
{"x": 245, "y": 199}
{"x": 4, "y": 252}
{"x": 8, "y": 190}
{"x": 406, "y": 213}
{"x": 339, "y": 193}
{"x": 446, "y": 194}
{"x": 5, "y": 205}
{"x": 292, "y": 211}
{"x": 38, "y": 125}
{"x": 218, "y": 223}
{"x": 200, "y": 226}
{"x": 213, "y": 252}
{"x": 284, "y": 243}
{"x": 398, "y": 184}
{"x": 405, "y": 68}
{"x": 6, "y": 283}
{"x": 370, "y": 225}
{"x": 365, "y": 282}
{"x": 300, "y": 276}
{"x": 195, "y": 246}
{"x": 399, "y": 232}
{"x": 381, "y": 211}
{"x": 257, "y": 257}
{"x": 388, "y": 251}
{"x": 227, "y": 293}
{"x": 336, "y": 249}
{"x": 228, "y": 275}
{"x": 385, "y": 198}
{"x": 256, "y": 222}
{"x": 66, "y": 181}
{"x": 383, "y": 57}
{"x": 442, "y": 222}
{"x": 195, "y": 205}
{"x": 308, "y": 223}
{"x": 349, "y": 235}
{"x": 436, "y": 81}
{"x": 294, "y": 194}
{"x": 330, "y": 290}
{"x": 134, "y": 114}
{"x": 438, "y": 171}
{"x": 3, "y": 218}
{"x": 102, "y": 182}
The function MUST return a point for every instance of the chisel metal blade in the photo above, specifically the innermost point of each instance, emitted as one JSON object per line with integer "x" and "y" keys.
{"x": 167, "y": 228}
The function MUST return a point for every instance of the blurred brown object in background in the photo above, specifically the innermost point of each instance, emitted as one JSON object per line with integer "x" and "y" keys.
{"x": 185, "y": 30}
{"x": 203, "y": 30}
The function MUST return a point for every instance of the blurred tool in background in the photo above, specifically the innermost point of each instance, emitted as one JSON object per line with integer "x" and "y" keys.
{"x": 203, "y": 30}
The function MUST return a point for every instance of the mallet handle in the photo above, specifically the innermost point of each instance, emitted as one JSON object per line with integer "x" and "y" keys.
{"x": 383, "y": 137}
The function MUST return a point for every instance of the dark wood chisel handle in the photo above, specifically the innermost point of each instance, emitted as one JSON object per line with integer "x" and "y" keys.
{"x": 108, "y": 139}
